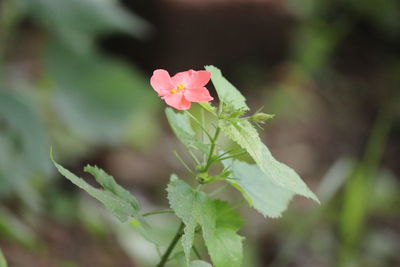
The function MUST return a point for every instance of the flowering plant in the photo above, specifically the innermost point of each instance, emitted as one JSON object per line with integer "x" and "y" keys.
{"x": 267, "y": 185}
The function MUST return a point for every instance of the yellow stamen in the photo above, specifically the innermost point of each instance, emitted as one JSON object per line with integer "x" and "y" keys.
{"x": 180, "y": 87}
{"x": 173, "y": 91}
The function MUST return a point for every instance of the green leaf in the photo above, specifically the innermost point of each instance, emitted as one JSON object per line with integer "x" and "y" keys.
{"x": 109, "y": 184}
{"x": 225, "y": 248}
{"x": 207, "y": 106}
{"x": 3, "y": 262}
{"x": 180, "y": 124}
{"x": 227, "y": 93}
{"x": 227, "y": 217}
{"x": 200, "y": 264}
{"x": 246, "y": 136}
{"x": 192, "y": 207}
{"x": 112, "y": 197}
{"x": 218, "y": 221}
{"x": 260, "y": 192}
{"x": 225, "y": 245}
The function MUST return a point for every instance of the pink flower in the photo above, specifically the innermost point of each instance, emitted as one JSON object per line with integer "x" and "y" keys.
{"x": 183, "y": 88}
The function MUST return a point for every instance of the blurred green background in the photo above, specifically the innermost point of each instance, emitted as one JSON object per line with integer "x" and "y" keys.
{"x": 75, "y": 75}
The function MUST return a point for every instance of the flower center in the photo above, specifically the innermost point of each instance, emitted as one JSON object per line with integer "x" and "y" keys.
{"x": 178, "y": 88}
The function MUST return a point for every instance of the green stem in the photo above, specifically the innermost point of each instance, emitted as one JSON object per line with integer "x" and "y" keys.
{"x": 218, "y": 190}
{"x": 171, "y": 246}
{"x": 212, "y": 148}
{"x": 233, "y": 156}
{"x": 182, "y": 162}
{"x": 200, "y": 124}
{"x": 193, "y": 157}
{"x": 157, "y": 212}
{"x": 196, "y": 252}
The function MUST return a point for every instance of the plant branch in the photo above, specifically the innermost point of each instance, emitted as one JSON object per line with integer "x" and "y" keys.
{"x": 212, "y": 148}
{"x": 218, "y": 190}
{"x": 193, "y": 156}
{"x": 171, "y": 246}
{"x": 200, "y": 124}
{"x": 157, "y": 212}
{"x": 233, "y": 155}
{"x": 182, "y": 162}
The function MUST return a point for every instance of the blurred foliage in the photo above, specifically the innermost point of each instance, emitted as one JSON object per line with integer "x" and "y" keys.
{"x": 99, "y": 98}
{"x": 76, "y": 93}
{"x": 23, "y": 141}
{"x": 67, "y": 94}
{"x": 71, "y": 95}
{"x": 357, "y": 201}
{"x": 76, "y": 22}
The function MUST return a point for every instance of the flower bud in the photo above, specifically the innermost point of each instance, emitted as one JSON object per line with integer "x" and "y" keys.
{"x": 261, "y": 117}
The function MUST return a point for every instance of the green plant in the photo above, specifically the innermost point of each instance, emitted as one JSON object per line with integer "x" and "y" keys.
{"x": 267, "y": 185}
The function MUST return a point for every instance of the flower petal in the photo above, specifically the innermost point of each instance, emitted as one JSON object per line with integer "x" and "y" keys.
{"x": 198, "y": 95}
{"x": 161, "y": 82}
{"x": 181, "y": 77}
{"x": 192, "y": 78}
{"x": 177, "y": 101}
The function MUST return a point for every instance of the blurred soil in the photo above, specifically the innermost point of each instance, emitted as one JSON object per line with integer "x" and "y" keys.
{"x": 64, "y": 245}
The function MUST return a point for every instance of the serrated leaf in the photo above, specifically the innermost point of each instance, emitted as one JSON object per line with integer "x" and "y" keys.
{"x": 200, "y": 264}
{"x": 225, "y": 245}
{"x": 260, "y": 192}
{"x": 180, "y": 124}
{"x": 109, "y": 184}
{"x": 119, "y": 207}
{"x": 193, "y": 208}
{"x": 246, "y": 136}
{"x": 218, "y": 220}
{"x": 227, "y": 93}
{"x": 225, "y": 248}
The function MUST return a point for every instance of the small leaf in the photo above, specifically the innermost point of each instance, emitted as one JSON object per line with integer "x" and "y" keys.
{"x": 117, "y": 205}
{"x": 245, "y": 135}
{"x": 260, "y": 192}
{"x": 227, "y": 93}
{"x": 180, "y": 124}
{"x": 198, "y": 263}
